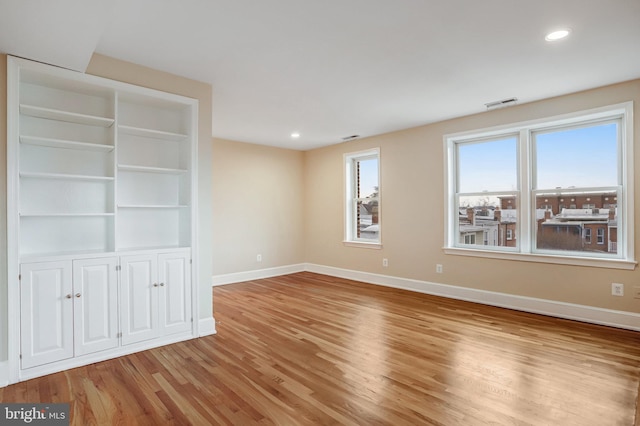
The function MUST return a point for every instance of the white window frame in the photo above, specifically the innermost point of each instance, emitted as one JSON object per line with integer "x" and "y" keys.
{"x": 525, "y": 229}
{"x": 350, "y": 201}
{"x": 587, "y": 235}
{"x": 600, "y": 236}
{"x": 509, "y": 234}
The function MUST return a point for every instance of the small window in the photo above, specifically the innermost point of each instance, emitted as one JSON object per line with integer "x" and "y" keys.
{"x": 509, "y": 234}
{"x": 362, "y": 212}
{"x": 600, "y": 235}
{"x": 587, "y": 235}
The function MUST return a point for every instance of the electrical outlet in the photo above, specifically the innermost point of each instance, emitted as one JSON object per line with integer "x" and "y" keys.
{"x": 636, "y": 292}
{"x": 617, "y": 289}
{"x": 385, "y": 262}
{"x": 259, "y": 258}
{"x": 439, "y": 268}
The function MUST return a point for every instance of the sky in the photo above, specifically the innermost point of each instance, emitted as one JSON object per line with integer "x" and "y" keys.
{"x": 578, "y": 157}
{"x": 368, "y": 176}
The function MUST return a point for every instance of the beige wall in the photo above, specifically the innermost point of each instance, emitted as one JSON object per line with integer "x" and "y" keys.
{"x": 257, "y": 207}
{"x": 412, "y": 215}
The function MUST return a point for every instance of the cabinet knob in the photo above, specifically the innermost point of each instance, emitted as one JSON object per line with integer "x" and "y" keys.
{"x": 155, "y": 284}
{"x": 77, "y": 294}
{"x": 68, "y": 296}
{"x": 161, "y": 284}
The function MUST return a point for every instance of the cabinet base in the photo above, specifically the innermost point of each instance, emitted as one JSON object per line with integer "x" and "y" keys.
{"x": 67, "y": 364}
{"x": 206, "y": 327}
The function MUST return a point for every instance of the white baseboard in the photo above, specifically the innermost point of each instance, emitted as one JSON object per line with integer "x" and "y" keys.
{"x": 206, "y": 326}
{"x": 4, "y": 373}
{"x": 257, "y": 274}
{"x": 589, "y": 314}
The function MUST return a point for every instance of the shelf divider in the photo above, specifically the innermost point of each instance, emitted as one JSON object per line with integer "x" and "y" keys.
{"x": 34, "y": 175}
{"x": 146, "y": 169}
{"x": 64, "y": 144}
{"x": 152, "y": 133}
{"x": 61, "y": 115}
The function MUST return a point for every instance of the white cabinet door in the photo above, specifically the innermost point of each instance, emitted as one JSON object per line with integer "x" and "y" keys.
{"x": 175, "y": 292}
{"x": 95, "y": 288}
{"x": 46, "y": 312}
{"x": 139, "y": 298}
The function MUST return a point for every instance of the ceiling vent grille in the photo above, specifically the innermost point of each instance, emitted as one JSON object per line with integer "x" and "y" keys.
{"x": 501, "y": 104}
{"x": 348, "y": 138}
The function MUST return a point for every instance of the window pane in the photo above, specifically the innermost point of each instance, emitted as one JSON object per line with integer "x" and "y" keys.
{"x": 367, "y": 178}
{"x": 487, "y": 220}
{"x": 488, "y": 166}
{"x": 573, "y": 228}
{"x": 578, "y": 157}
{"x": 367, "y": 225}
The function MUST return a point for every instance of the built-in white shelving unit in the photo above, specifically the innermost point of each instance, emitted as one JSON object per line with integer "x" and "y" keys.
{"x": 100, "y": 174}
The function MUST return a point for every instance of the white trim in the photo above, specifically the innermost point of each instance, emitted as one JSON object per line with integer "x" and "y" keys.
{"x": 596, "y": 262}
{"x": 350, "y": 189}
{"x": 207, "y": 327}
{"x": 525, "y": 232}
{"x": 258, "y": 274}
{"x": 588, "y": 314}
{"x": 4, "y": 373}
{"x": 362, "y": 244}
{"x": 54, "y": 367}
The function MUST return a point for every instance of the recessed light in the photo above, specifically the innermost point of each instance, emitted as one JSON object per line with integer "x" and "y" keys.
{"x": 295, "y": 135}
{"x": 557, "y": 35}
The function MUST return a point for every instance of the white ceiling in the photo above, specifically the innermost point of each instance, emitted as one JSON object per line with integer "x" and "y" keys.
{"x": 335, "y": 68}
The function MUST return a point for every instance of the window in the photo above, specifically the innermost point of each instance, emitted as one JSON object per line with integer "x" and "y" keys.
{"x": 518, "y": 173}
{"x": 362, "y": 211}
{"x": 470, "y": 238}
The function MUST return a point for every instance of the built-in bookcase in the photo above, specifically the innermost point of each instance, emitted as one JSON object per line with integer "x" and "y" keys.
{"x": 153, "y": 169}
{"x": 101, "y": 167}
{"x": 65, "y": 167}
{"x": 99, "y": 172}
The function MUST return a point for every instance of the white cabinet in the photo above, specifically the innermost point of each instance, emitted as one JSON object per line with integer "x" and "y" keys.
{"x": 95, "y": 309}
{"x": 67, "y": 309}
{"x": 46, "y": 313}
{"x": 156, "y": 296}
{"x": 98, "y": 171}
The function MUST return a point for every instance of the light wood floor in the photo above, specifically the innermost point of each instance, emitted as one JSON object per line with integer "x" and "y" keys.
{"x": 311, "y": 349}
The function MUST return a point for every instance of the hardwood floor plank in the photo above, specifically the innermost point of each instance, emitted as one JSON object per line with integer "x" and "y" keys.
{"x": 308, "y": 349}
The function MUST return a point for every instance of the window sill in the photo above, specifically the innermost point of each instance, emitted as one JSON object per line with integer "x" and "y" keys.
{"x": 545, "y": 258}
{"x": 362, "y": 244}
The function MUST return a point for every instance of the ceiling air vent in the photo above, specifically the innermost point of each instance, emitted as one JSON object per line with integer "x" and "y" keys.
{"x": 348, "y": 138}
{"x": 501, "y": 104}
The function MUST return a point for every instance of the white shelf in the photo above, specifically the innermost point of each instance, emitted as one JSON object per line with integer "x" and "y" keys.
{"x": 60, "y": 115}
{"x": 58, "y": 255}
{"x": 145, "y": 169}
{"x": 64, "y": 144}
{"x": 26, "y": 215}
{"x": 64, "y": 176}
{"x": 147, "y": 206}
{"x": 171, "y": 247}
{"x": 151, "y": 133}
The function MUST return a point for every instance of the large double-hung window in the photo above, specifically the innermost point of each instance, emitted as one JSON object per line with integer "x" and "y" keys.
{"x": 556, "y": 190}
